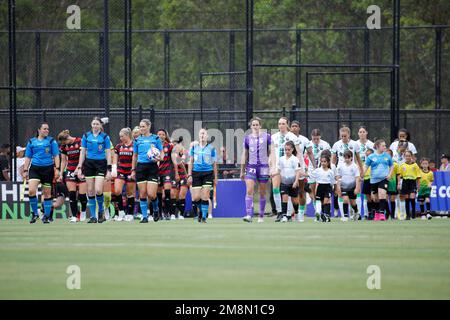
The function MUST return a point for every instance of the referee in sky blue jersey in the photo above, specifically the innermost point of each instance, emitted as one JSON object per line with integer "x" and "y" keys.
{"x": 43, "y": 154}
{"x": 96, "y": 149}
{"x": 202, "y": 173}
{"x": 147, "y": 151}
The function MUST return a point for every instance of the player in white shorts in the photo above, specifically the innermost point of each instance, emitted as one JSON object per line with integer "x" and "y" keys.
{"x": 338, "y": 149}
{"x": 303, "y": 145}
{"x": 314, "y": 150}
{"x": 290, "y": 171}
{"x": 349, "y": 181}
{"x": 279, "y": 139}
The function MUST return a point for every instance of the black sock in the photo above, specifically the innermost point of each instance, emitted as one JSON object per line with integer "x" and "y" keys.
{"x": 326, "y": 208}
{"x": 345, "y": 209}
{"x": 173, "y": 206}
{"x": 335, "y": 202}
{"x": 413, "y": 207}
{"x": 428, "y": 204}
{"x": 83, "y": 200}
{"x": 407, "y": 202}
{"x": 369, "y": 206}
{"x": 295, "y": 205}
{"x": 392, "y": 209}
{"x": 376, "y": 206}
{"x": 355, "y": 208}
{"x": 383, "y": 206}
{"x": 130, "y": 205}
{"x": 118, "y": 199}
{"x": 388, "y": 211}
{"x": 422, "y": 207}
{"x": 73, "y": 203}
{"x": 180, "y": 205}
{"x": 167, "y": 204}
{"x": 284, "y": 206}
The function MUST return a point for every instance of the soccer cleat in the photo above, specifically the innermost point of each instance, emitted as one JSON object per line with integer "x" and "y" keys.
{"x": 203, "y": 220}
{"x": 180, "y": 217}
{"x": 260, "y": 220}
{"x": 210, "y": 216}
{"x": 156, "y": 216}
{"x": 83, "y": 216}
{"x": 73, "y": 220}
{"x": 429, "y": 216}
{"x": 327, "y": 216}
{"x": 381, "y": 216}
{"x": 423, "y": 217}
{"x": 289, "y": 218}
{"x": 199, "y": 218}
{"x": 301, "y": 218}
{"x": 318, "y": 216}
{"x": 45, "y": 220}
{"x": 284, "y": 219}
{"x": 278, "y": 219}
{"x": 101, "y": 218}
{"x": 144, "y": 220}
{"x": 247, "y": 218}
{"x": 33, "y": 219}
{"x": 92, "y": 220}
{"x": 344, "y": 219}
{"x": 129, "y": 218}
{"x": 172, "y": 217}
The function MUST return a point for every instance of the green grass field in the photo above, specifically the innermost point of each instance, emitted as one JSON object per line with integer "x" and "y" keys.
{"x": 226, "y": 259}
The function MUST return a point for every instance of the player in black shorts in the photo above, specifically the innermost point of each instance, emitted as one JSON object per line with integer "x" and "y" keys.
{"x": 70, "y": 155}
{"x": 202, "y": 172}
{"x": 43, "y": 154}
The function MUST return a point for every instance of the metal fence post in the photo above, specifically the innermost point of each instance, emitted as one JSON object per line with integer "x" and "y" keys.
{"x": 366, "y": 61}
{"x": 437, "y": 83}
{"x": 105, "y": 84}
{"x": 12, "y": 83}
{"x": 298, "y": 71}
{"x": 166, "y": 75}
{"x": 37, "y": 58}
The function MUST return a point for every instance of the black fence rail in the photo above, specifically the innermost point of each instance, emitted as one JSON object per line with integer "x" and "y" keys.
{"x": 386, "y": 79}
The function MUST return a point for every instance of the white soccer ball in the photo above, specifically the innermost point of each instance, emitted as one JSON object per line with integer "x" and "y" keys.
{"x": 153, "y": 153}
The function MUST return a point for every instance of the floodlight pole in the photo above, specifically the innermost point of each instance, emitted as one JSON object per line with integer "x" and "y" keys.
{"x": 249, "y": 8}
{"x": 12, "y": 86}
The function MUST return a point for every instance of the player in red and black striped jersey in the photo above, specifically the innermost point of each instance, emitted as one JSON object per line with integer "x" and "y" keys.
{"x": 121, "y": 170}
{"x": 167, "y": 175}
{"x": 70, "y": 155}
{"x": 181, "y": 157}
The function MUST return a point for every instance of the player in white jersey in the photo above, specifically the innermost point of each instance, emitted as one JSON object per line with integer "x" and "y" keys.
{"x": 344, "y": 144}
{"x": 325, "y": 180}
{"x": 277, "y": 151}
{"x": 364, "y": 144}
{"x": 303, "y": 145}
{"x": 314, "y": 150}
{"x": 349, "y": 181}
{"x": 290, "y": 171}
{"x": 399, "y": 153}
{"x": 404, "y": 135}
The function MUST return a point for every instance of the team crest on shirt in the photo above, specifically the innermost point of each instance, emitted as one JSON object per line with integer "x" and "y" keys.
{"x": 100, "y": 147}
{"x": 47, "y": 150}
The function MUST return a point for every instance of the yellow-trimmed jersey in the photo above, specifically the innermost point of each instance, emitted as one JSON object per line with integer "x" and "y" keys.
{"x": 367, "y": 175}
{"x": 409, "y": 171}
{"x": 426, "y": 178}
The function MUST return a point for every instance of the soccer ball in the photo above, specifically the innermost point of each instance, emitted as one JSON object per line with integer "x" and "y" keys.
{"x": 153, "y": 153}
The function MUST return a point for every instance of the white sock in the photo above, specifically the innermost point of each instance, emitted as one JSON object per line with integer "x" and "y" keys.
{"x": 341, "y": 206}
{"x": 318, "y": 206}
{"x": 402, "y": 211}
{"x": 366, "y": 208}
{"x": 277, "y": 199}
{"x": 359, "y": 203}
